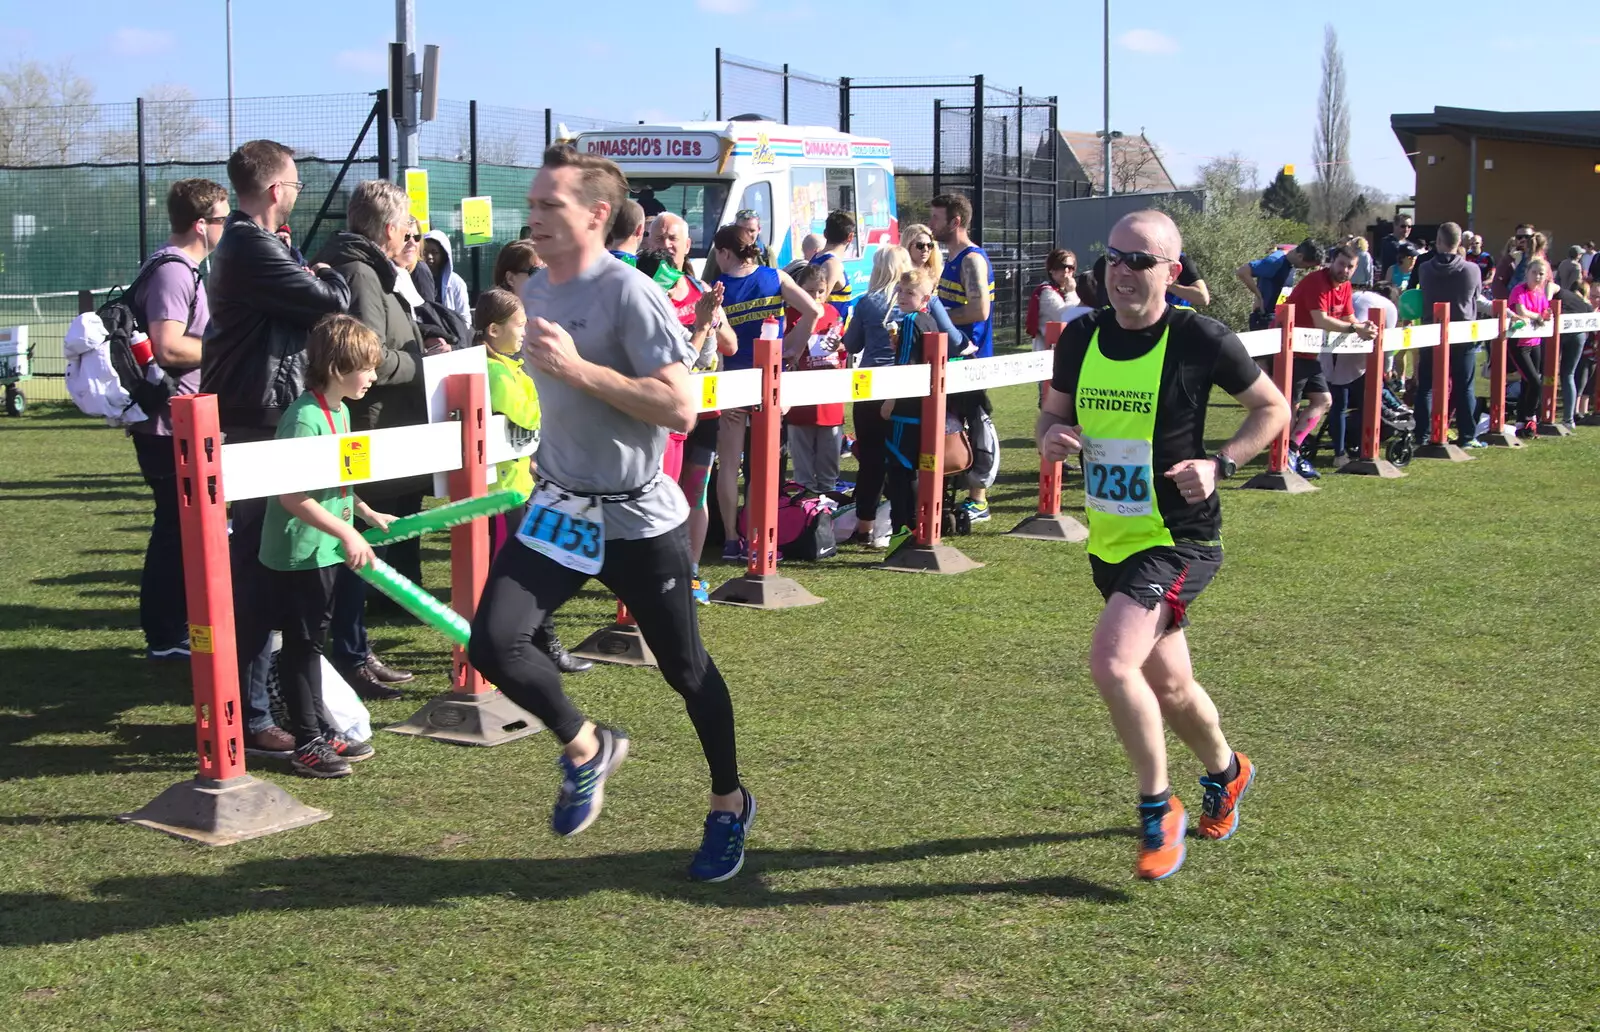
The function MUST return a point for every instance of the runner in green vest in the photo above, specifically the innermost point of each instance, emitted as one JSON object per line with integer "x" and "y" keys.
{"x": 1129, "y": 394}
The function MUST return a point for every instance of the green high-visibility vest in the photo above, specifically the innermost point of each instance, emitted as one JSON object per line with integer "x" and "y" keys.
{"x": 1116, "y": 407}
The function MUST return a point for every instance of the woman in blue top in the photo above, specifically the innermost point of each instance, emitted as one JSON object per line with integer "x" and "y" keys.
{"x": 868, "y": 336}
{"x": 751, "y": 294}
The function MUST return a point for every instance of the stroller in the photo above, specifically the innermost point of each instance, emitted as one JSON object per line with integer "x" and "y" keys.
{"x": 1397, "y": 430}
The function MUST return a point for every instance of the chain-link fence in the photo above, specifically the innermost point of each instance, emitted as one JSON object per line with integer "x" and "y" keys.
{"x": 83, "y": 189}
{"x": 954, "y": 134}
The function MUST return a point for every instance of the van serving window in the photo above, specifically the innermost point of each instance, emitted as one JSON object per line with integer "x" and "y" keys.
{"x": 699, "y": 202}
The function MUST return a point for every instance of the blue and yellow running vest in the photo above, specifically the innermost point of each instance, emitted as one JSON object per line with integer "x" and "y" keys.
{"x": 840, "y": 298}
{"x": 748, "y": 301}
{"x": 1116, "y": 407}
{"x": 953, "y": 294}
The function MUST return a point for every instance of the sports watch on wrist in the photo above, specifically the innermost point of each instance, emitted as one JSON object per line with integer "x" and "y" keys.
{"x": 1226, "y": 467}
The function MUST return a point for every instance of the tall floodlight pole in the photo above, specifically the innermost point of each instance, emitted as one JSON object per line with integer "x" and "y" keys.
{"x": 230, "y": 76}
{"x": 405, "y": 31}
{"x": 1106, "y": 89}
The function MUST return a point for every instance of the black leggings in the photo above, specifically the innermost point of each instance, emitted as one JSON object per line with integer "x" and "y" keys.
{"x": 871, "y": 433}
{"x": 1530, "y": 363}
{"x": 651, "y": 577}
{"x": 299, "y": 603}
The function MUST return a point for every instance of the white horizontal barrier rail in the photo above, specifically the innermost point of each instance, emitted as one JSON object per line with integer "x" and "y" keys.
{"x": 1318, "y": 342}
{"x": 976, "y": 374}
{"x": 1261, "y": 343}
{"x": 1480, "y": 330}
{"x": 263, "y": 468}
{"x": 505, "y": 441}
{"x": 817, "y": 387}
{"x": 1410, "y": 338}
{"x": 1580, "y": 322}
{"x": 740, "y": 388}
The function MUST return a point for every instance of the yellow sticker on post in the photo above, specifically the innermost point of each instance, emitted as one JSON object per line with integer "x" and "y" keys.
{"x": 708, "y": 392}
{"x": 861, "y": 385}
{"x": 355, "y": 458}
{"x": 416, "y": 180}
{"x": 200, "y": 639}
{"x": 477, "y": 220}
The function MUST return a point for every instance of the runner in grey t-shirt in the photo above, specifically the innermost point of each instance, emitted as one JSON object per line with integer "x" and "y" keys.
{"x": 617, "y": 318}
{"x": 611, "y": 363}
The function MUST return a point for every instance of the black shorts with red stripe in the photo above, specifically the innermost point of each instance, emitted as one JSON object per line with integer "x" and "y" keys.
{"x": 1174, "y": 574}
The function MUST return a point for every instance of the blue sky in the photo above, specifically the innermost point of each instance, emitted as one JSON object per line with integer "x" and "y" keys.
{"x": 1199, "y": 79}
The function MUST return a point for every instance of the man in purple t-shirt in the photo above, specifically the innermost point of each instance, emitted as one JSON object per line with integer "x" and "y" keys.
{"x": 171, "y": 304}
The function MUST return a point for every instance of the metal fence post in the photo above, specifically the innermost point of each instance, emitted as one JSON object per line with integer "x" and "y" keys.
{"x": 844, "y": 103}
{"x": 1055, "y": 174}
{"x": 938, "y": 131}
{"x": 976, "y": 229}
{"x": 383, "y": 135}
{"x": 472, "y": 191}
{"x": 718, "y": 88}
{"x": 549, "y": 133}
{"x": 144, "y": 182}
{"x": 786, "y": 93}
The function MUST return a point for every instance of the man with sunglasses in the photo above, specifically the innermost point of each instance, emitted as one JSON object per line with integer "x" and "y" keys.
{"x": 1389, "y": 247}
{"x": 1129, "y": 395}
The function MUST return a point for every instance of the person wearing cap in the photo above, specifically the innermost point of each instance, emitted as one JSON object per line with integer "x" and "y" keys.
{"x": 1405, "y": 264}
{"x": 749, "y": 222}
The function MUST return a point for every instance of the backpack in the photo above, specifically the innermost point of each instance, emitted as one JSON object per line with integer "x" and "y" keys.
{"x": 121, "y": 321}
{"x": 1034, "y": 329}
{"x": 805, "y": 524}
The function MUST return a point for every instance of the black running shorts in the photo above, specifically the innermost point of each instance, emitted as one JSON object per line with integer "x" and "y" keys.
{"x": 1174, "y": 574}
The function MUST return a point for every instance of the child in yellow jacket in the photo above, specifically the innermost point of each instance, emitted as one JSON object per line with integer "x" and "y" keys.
{"x": 499, "y": 321}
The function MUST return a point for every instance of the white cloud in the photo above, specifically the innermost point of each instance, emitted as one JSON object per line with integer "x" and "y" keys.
{"x": 1147, "y": 41}
{"x": 130, "y": 42}
{"x": 724, "y": 6}
{"x": 365, "y": 62}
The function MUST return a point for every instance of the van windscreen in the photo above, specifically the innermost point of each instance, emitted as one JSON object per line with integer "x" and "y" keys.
{"x": 699, "y": 202}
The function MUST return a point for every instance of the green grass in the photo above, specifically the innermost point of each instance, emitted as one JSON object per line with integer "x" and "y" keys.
{"x": 945, "y": 813}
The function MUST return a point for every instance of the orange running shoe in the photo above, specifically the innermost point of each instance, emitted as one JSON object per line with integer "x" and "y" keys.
{"x": 1220, "y": 809}
{"x": 1161, "y": 847}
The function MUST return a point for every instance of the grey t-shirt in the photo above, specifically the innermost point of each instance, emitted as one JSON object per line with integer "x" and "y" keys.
{"x": 618, "y": 318}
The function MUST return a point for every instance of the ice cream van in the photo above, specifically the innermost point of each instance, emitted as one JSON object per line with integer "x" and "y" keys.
{"x": 791, "y": 175}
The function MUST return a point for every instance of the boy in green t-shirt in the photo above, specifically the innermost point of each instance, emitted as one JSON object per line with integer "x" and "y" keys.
{"x": 304, "y": 538}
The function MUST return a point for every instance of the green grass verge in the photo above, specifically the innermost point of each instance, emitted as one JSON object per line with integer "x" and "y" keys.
{"x": 944, "y": 839}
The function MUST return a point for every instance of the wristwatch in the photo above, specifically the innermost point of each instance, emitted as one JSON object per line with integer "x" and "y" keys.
{"x": 1226, "y": 467}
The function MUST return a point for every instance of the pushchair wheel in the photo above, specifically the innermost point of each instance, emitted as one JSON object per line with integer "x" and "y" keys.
{"x": 1400, "y": 449}
{"x": 963, "y": 522}
{"x": 947, "y": 524}
{"x": 1310, "y": 446}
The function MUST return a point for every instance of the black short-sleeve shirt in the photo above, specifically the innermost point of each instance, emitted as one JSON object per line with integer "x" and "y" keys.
{"x": 1202, "y": 353}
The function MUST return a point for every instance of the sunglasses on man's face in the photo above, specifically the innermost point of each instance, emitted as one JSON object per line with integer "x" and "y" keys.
{"x": 1138, "y": 261}
{"x": 412, "y": 238}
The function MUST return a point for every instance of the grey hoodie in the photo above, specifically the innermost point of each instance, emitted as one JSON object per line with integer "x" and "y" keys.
{"x": 1451, "y": 279}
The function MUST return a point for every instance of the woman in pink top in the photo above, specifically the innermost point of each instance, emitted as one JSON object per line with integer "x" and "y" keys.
{"x": 1530, "y": 300}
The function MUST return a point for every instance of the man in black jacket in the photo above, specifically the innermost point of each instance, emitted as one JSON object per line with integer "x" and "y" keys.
{"x": 253, "y": 357}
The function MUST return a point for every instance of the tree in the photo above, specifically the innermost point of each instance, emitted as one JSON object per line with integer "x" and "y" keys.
{"x": 44, "y": 111}
{"x": 1230, "y": 230}
{"x": 171, "y": 122}
{"x": 1334, "y": 190}
{"x": 1284, "y": 199}
{"x": 1131, "y": 158}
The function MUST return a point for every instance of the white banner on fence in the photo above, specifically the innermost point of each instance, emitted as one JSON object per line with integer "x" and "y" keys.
{"x": 1527, "y": 329}
{"x": 1580, "y": 322}
{"x": 263, "y": 468}
{"x": 976, "y": 374}
{"x": 1317, "y": 342}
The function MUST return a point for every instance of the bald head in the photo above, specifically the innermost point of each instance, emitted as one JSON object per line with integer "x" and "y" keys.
{"x": 670, "y": 233}
{"x": 1149, "y": 230}
{"x": 810, "y": 245}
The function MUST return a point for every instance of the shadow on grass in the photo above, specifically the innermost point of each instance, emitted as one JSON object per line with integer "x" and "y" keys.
{"x": 142, "y": 902}
{"x": 123, "y": 576}
{"x": 56, "y": 694}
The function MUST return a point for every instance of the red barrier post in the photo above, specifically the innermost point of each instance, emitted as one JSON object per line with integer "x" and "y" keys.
{"x": 923, "y": 552}
{"x": 223, "y": 803}
{"x": 1048, "y": 523}
{"x": 469, "y": 543}
{"x": 1550, "y": 424}
{"x": 473, "y": 712}
{"x": 761, "y": 587}
{"x": 1497, "y": 381}
{"x": 1371, "y": 463}
{"x": 1439, "y": 422}
{"x": 1278, "y": 475}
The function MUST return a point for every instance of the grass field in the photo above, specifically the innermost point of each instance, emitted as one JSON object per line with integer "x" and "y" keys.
{"x": 945, "y": 832}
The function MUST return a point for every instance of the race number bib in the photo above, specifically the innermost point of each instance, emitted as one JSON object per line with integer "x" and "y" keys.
{"x": 1116, "y": 476}
{"x": 567, "y": 528}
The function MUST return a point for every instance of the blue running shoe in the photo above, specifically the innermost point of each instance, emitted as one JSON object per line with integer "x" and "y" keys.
{"x": 722, "y": 848}
{"x": 583, "y": 788}
{"x": 977, "y": 512}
